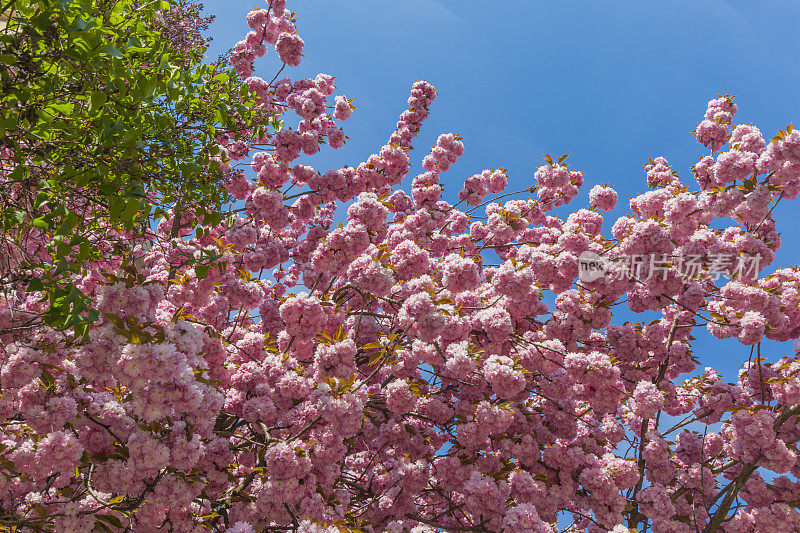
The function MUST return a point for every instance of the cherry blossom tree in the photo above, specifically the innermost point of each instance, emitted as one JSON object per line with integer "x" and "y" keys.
{"x": 404, "y": 371}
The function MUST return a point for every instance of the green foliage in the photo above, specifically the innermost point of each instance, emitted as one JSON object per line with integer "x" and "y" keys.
{"x": 109, "y": 124}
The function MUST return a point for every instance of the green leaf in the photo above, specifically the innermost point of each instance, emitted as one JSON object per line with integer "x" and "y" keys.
{"x": 84, "y": 251}
{"x": 62, "y": 266}
{"x": 78, "y": 24}
{"x": 62, "y": 108}
{"x": 13, "y": 217}
{"x": 96, "y": 101}
{"x": 8, "y": 124}
{"x": 111, "y": 519}
{"x": 66, "y": 226}
{"x": 40, "y": 223}
{"x": 112, "y": 51}
{"x": 115, "y": 209}
{"x": 83, "y": 43}
{"x": 131, "y": 208}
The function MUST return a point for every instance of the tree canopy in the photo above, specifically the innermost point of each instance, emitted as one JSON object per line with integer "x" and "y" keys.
{"x": 189, "y": 343}
{"x": 108, "y": 118}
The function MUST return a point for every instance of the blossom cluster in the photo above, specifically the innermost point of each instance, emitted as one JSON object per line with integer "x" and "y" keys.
{"x": 419, "y": 367}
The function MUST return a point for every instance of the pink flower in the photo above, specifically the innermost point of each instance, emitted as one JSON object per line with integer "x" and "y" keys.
{"x": 240, "y": 527}
{"x": 506, "y": 382}
{"x": 336, "y": 138}
{"x": 421, "y": 316}
{"x": 399, "y": 397}
{"x": 747, "y": 138}
{"x": 325, "y": 83}
{"x": 711, "y": 134}
{"x": 303, "y": 314}
{"x": 496, "y": 182}
{"x": 721, "y": 109}
{"x": 752, "y": 325}
{"x": 647, "y": 399}
{"x": 59, "y": 451}
{"x": 342, "y": 111}
{"x": 603, "y": 198}
{"x": 460, "y": 273}
{"x": 267, "y": 204}
{"x": 370, "y": 275}
{"x": 278, "y": 7}
{"x": 290, "y": 48}
{"x": 523, "y": 518}
{"x": 474, "y": 190}
{"x": 287, "y": 145}
{"x": 409, "y": 260}
{"x": 257, "y": 18}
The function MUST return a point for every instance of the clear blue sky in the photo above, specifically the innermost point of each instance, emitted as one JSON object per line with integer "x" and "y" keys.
{"x": 611, "y": 82}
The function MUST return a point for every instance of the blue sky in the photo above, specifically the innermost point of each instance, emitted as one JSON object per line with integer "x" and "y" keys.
{"x": 611, "y": 82}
